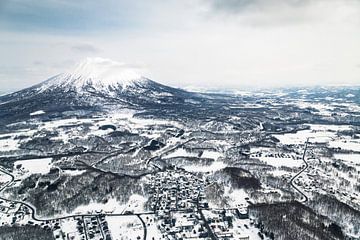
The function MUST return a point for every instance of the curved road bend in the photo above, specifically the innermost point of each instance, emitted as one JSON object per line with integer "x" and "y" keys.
{"x": 144, "y": 225}
{"x": 169, "y": 150}
{"x": 304, "y": 197}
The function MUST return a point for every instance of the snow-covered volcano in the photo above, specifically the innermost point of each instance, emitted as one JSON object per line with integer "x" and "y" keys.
{"x": 95, "y": 84}
{"x": 98, "y": 74}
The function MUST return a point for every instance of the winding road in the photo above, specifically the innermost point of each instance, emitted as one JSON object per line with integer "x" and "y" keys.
{"x": 304, "y": 197}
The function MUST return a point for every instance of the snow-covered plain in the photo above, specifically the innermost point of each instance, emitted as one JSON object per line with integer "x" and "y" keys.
{"x": 34, "y": 166}
{"x": 135, "y": 204}
{"x": 278, "y": 162}
{"x": 352, "y": 158}
{"x": 125, "y": 227}
{"x": 317, "y": 134}
{"x": 215, "y": 166}
{"x": 36, "y": 113}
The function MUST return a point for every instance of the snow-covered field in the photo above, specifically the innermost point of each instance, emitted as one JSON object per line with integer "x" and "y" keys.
{"x": 125, "y": 227}
{"x": 215, "y": 166}
{"x": 322, "y": 134}
{"x": 181, "y": 152}
{"x": 320, "y": 108}
{"x": 346, "y": 144}
{"x": 352, "y": 158}
{"x": 8, "y": 143}
{"x": 237, "y": 197}
{"x": 135, "y": 204}
{"x": 275, "y": 158}
{"x": 36, "y": 113}
{"x": 33, "y": 166}
{"x": 211, "y": 154}
{"x": 278, "y": 162}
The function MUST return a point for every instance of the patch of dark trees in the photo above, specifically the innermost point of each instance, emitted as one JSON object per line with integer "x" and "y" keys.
{"x": 107, "y": 126}
{"x": 154, "y": 145}
{"x": 293, "y": 220}
{"x": 25, "y": 233}
{"x": 241, "y": 178}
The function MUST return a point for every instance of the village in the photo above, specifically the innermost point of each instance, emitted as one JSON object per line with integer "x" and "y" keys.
{"x": 179, "y": 210}
{"x": 183, "y": 211}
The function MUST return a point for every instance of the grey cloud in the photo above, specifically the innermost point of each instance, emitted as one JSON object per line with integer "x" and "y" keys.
{"x": 279, "y": 12}
{"x": 85, "y": 48}
{"x": 234, "y": 6}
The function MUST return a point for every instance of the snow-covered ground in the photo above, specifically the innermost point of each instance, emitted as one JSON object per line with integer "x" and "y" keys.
{"x": 211, "y": 154}
{"x": 33, "y": 166}
{"x": 181, "y": 152}
{"x": 215, "y": 166}
{"x": 275, "y": 158}
{"x": 153, "y": 232}
{"x": 135, "y": 204}
{"x": 278, "y": 162}
{"x": 125, "y": 227}
{"x": 36, "y": 113}
{"x": 322, "y": 134}
{"x": 321, "y": 109}
{"x": 351, "y": 158}
{"x": 346, "y": 144}
{"x": 8, "y": 143}
{"x": 237, "y": 197}
{"x": 73, "y": 172}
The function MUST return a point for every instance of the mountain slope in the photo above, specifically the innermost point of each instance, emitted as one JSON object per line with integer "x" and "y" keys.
{"x": 94, "y": 85}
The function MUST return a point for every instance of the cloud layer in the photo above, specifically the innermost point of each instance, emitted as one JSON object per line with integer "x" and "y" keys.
{"x": 202, "y": 43}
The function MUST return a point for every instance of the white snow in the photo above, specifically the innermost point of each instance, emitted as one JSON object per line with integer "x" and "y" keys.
{"x": 211, "y": 154}
{"x": 100, "y": 73}
{"x": 278, "y": 172}
{"x": 346, "y": 144}
{"x": 237, "y": 197}
{"x": 125, "y": 227}
{"x": 8, "y": 144}
{"x": 73, "y": 172}
{"x": 317, "y": 134}
{"x": 276, "y": 158}
{"x": 278, "y": 162}
{"x": 36, "y": 113}
{"x": 321, "y": 127}
{"x": 153, "y": 232}
{"x": 353, "y": 158}
{"x": 111, "y": 206}
{"x": 323, "y": 109}
{"x": 215, "y": 166}
{"x": 4, "y": 178}
{"x": 33, "y": 166}
{"x": 135, "y": 204}
{"x": 181, "y": 152}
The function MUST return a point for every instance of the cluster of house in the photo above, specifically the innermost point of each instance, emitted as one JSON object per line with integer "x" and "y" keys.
{"x": 177, "y": 196}
{"x": 10, "y": 213}
{"x": 316, "y": 179}
{"x": 182, "y": 210}
{"x": 225, "y": 224}
{"x": 176, "y": 190}
{"x": 88, "y": 227}
{"x": 275, "y": 155}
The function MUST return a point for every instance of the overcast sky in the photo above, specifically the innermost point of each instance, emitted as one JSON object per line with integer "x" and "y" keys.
{"x": 200, "y": 43}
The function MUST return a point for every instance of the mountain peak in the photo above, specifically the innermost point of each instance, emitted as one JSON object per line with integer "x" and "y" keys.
{"x": 105, "y": 71}
{"x": 99, "y": 73}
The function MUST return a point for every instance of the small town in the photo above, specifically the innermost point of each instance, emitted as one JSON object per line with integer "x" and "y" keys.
{"x": 178, "y": 210}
